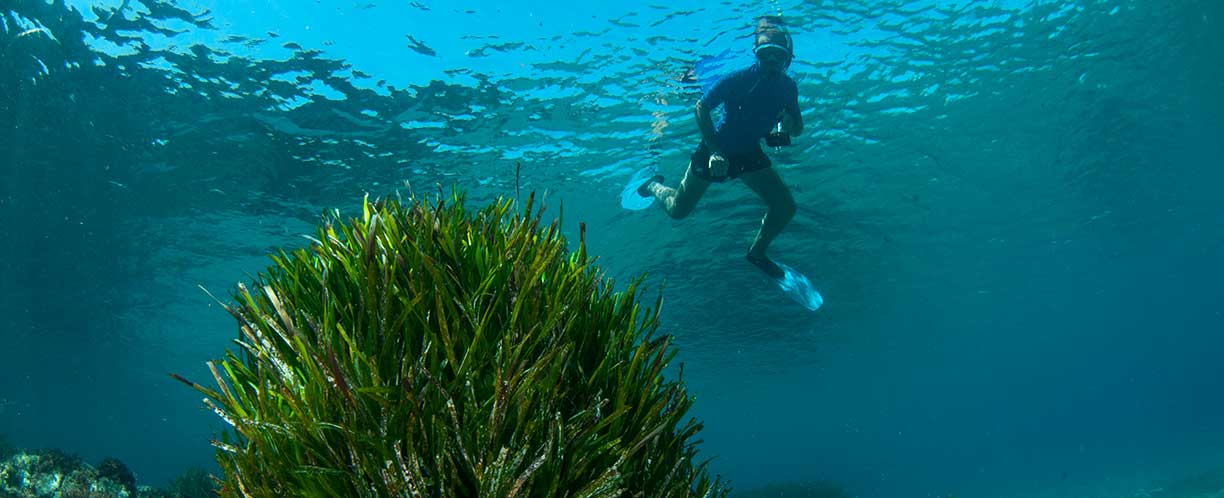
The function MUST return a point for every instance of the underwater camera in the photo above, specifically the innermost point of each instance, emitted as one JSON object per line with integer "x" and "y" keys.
{"x": 777, "y": 137}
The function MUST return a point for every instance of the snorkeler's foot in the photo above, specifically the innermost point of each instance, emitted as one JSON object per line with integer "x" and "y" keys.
{"x": 636, "y": 195}
{"x": 644, "y": 190}
{"x": 766, "y": 265}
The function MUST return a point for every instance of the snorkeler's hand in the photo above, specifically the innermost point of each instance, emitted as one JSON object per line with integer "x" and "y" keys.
{"x": 788, "y": 123}
{"x": 718, "y": 166}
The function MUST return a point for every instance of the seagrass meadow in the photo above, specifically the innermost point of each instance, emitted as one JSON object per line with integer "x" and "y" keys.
{"x": 428, "y": 349}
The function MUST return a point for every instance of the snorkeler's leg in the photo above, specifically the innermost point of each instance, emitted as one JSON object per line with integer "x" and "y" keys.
{"x": 781, "y": 208}
{"x": 679, "y": 202}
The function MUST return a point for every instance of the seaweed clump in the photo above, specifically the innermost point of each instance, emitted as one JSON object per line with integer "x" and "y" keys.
{"x": 424, "y": 350}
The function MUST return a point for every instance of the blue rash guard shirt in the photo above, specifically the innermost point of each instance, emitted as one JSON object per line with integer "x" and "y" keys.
{"x": 752, "y": 101}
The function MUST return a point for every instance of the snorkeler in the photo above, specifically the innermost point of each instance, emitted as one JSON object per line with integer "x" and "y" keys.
{"x": 759, "y": 102}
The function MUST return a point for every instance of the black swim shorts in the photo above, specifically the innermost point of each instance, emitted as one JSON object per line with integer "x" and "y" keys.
{"x": 738, "y": 163}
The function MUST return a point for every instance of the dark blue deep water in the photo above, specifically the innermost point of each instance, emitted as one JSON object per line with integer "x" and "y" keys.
{"x": 1013, "y": 209}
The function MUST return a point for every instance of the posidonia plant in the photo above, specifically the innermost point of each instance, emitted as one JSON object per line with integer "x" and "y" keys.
{"x": 425, "y": 350}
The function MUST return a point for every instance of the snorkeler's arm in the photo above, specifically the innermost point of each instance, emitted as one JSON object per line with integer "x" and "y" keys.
{"x": 796, "y": 115}
{"x": 796, "y": 125}
{"x": 706, "y": 124}
{"x": 716, "y": 96}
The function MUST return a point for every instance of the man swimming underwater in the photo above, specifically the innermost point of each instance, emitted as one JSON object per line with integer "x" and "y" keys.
{"x": 757, "y": 100}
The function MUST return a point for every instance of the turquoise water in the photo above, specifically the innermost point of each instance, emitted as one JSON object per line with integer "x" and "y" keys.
{"x": 1011, "y": 209}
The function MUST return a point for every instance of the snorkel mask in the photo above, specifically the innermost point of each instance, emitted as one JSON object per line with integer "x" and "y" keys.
{"x": 775, "y": 39}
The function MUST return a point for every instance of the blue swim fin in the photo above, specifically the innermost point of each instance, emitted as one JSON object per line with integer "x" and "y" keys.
{"x": 630, "y": 198}
{"x": 799, "y": 288}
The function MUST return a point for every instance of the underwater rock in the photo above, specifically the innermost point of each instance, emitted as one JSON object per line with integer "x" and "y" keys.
{"x": 55, "y": 474}
{"x": 115, "y": 470}
{"x": 194, "y": 483}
